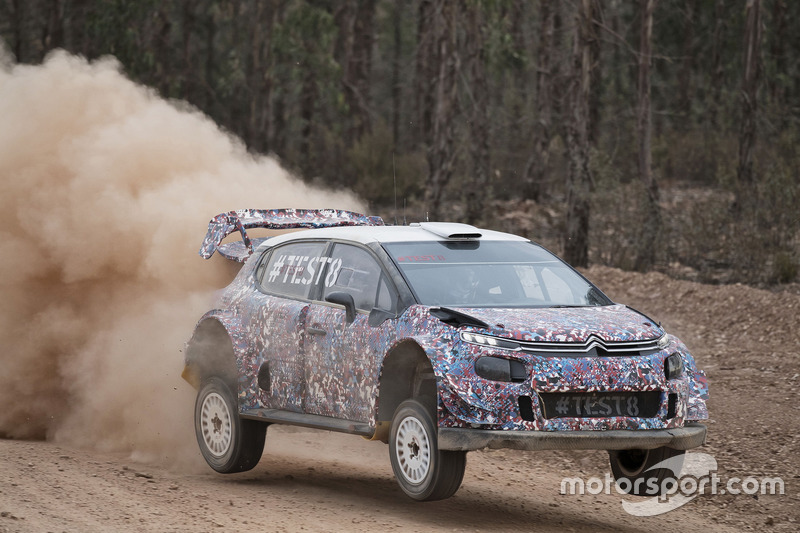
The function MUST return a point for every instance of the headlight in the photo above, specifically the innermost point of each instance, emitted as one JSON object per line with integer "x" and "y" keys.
{"x": 673, "y": 366}
{"x": 486, "y": 340}
{"x": 663, "y": 342}
{"x": 499, "y": 369}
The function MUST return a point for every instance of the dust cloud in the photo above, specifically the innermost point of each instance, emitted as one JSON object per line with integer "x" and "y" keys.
{"x": 106, "y": 191}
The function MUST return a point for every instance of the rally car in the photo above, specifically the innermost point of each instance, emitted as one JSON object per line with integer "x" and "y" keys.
{"x": 436, "y": 338}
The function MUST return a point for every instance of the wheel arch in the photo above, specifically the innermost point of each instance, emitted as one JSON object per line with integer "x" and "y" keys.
{"x": 406, "y": 373}
{"x": 210, "y": 352}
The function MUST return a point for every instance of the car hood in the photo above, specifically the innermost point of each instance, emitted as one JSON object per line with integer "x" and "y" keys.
{"x": 611, "y": 323}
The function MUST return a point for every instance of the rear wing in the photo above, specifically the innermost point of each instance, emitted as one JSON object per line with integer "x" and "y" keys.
{"x": 224, "y": 224}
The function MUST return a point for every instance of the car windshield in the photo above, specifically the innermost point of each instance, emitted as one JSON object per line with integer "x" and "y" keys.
{"x": 491, "y": 274}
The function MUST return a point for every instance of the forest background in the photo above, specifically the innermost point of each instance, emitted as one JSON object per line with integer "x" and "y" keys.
{"x": 646, "y": 135}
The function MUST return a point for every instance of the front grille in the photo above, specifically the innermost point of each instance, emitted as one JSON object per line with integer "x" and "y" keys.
{"x": 593, "y": 347}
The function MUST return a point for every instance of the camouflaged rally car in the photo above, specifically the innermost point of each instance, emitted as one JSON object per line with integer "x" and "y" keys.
{"x": 436, "y": 338}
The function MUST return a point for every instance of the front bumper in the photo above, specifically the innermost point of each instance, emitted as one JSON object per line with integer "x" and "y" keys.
{"x": 464, "y": 439}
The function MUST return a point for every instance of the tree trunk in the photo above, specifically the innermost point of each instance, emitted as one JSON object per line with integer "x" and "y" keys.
{"x": 17, "y": 19}
{"x": 399, "y": 6}
{"x": 54, "y": 31}
{"x": 778, "y": 51}
{"x": 716, "y": 63}
{"x": 651, "y": 223}
{"x": 353, "y": 51}
{"x": 163, "y": 72}
{"x": 256, "y": 74}
{"x": 267, "y": 80}
{"x": 424, "y": 72}
{"x": 478, "y": 94}
{"x": 188, "y": 20}
{"x": 345, "y": 19}
{"x": 439, "y": 100}
{"x": 75, "y": 37}
{"x": 275, "y": 90}
{"x": 687, "y": 67}
{"x": 579, "y": 179}
{"x": 210, "y": 66}
{"x": 518, "y": 76}
{"x": 619, "y": 55}
{"x": 750, "y": 81}
{"x": 538, "y": 164}
{"x": 308, "y": 97}
{"x": 278, "y": 130}
{"x": 596, "y": 91}
{"x": 363, "y": 40}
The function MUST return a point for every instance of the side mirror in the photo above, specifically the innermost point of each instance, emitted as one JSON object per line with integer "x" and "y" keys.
{"x": 342, "y": 298}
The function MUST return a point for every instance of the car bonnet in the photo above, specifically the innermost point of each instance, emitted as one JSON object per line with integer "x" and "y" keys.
{"x": 611, "y": 323}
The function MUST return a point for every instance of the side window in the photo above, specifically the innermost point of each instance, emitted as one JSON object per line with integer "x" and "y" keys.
{"x": 262, "y": 266}
{"x": 358, "y": 274}
{"x": 386, "y": 296}
{"x": 292, "y": 270}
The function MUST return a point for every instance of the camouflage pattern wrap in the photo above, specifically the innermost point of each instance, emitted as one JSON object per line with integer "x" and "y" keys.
{"x": 338, "y": 374}
{"x": 241, "y": 220}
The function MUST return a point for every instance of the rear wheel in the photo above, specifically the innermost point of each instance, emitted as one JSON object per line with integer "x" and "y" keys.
{"x": 228, "y": 443}
{"x": 635, "y": 470}
{"x": 422, "y": 470}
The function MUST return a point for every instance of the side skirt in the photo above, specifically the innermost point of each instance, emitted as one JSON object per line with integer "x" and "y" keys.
{"x": 278, "y": 416}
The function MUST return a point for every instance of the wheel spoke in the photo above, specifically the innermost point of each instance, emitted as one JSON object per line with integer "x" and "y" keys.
{"x": 412, "y": 447}
{"x": 216, "y": 424}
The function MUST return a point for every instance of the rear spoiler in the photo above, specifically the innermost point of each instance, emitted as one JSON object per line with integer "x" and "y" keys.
{"x": 224, "y": 224}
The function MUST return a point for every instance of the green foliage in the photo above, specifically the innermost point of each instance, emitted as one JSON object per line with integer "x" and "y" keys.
{"x": 286, "y": 93}
{"x": 305, "y": 38}
{"x": 121, "y": 28}
{"x": 503, "y": 49}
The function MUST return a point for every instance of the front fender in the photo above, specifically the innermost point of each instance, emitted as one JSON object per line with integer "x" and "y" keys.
{"x": 447, "y": 364}
{"x": 440, "y": 345}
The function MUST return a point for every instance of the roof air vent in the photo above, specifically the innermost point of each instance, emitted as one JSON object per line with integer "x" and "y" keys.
{"x": 451, "y": 230}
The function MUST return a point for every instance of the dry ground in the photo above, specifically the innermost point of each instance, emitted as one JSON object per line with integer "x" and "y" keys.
{"x": 747, "y": 340}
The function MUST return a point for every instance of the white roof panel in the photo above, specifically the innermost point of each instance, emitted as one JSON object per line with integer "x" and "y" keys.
{"x": 386, "y": 234}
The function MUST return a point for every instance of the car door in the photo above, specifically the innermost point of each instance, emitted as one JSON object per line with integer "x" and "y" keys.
{"x": 342, "y": 358}
{"x": 286, "y": 278}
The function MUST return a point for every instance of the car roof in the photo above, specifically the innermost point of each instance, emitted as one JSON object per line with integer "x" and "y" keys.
{"x": 415, "y": 232}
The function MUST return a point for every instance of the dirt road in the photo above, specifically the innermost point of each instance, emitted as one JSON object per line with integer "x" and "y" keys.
{"x": 748, "y": 341}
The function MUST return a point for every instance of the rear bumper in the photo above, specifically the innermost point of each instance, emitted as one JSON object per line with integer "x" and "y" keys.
{"x": 690, "y": 436}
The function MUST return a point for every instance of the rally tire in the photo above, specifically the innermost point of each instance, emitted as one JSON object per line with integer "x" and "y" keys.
{"x": 423, "y": 472}
{"x": 228, "y": 443}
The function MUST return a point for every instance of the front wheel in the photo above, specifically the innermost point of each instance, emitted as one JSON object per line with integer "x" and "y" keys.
{"x": 228, "y": 443}
{"x": 423, "y": 471}
{"x": 644, "y": 472}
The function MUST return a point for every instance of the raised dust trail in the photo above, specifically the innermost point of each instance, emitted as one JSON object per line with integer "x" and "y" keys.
{"x": 106, "y": 191}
